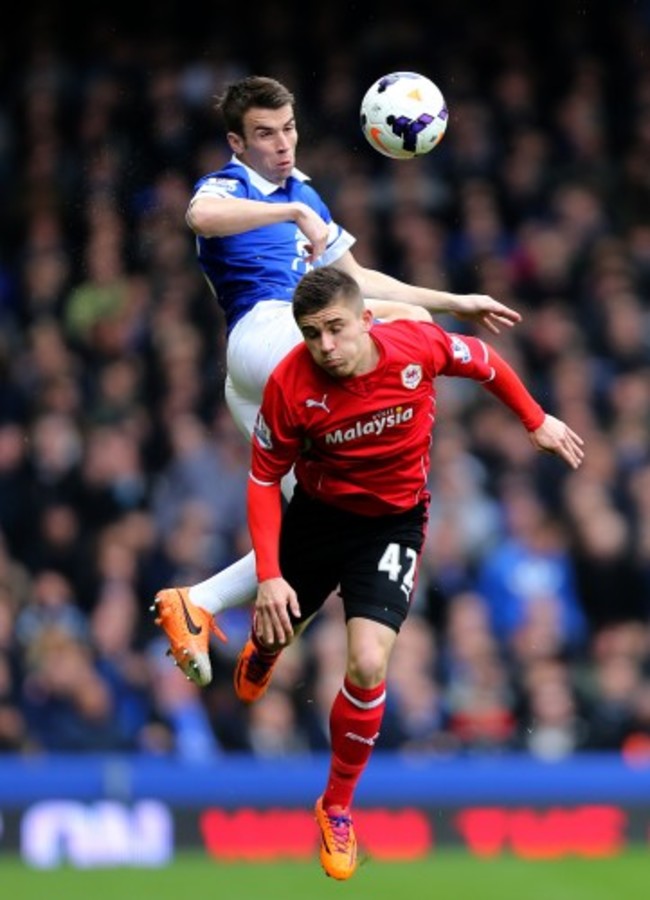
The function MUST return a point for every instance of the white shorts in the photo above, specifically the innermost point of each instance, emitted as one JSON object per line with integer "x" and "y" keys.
{"x": 256, "y": 345}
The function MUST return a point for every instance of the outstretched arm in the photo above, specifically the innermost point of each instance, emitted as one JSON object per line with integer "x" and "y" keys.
{"x": 546, "y": 432}
{"x": 479, "y": 308}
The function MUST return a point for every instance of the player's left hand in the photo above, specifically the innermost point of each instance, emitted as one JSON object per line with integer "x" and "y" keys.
{"x": 275, "y": 599}
{"x": 555, "y": 436}
{"x": 486, "y": 311}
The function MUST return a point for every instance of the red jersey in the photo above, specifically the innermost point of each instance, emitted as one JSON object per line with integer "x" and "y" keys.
{"x": 363, "y": 443}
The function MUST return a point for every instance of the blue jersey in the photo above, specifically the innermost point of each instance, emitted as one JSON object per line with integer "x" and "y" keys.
{"x": 265, "y": 263}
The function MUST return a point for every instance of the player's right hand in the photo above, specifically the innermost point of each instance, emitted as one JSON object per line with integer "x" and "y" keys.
{"x": 486, "y": 311}
{"x": 315, "y": 229}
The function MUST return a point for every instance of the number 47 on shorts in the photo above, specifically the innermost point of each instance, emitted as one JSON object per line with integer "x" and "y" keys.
{"x": 400, "y": 563}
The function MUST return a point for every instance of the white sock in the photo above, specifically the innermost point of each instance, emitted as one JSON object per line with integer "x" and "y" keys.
{"x": 234, "y": 586}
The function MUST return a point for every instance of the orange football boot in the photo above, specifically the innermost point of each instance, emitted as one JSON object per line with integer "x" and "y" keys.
{"x": 338, "y": 847}
{"x": 253, "y": 672}
{"x": 188, "y": 628}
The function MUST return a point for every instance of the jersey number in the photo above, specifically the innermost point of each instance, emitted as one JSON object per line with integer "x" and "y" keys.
{"x": 391, "y": 563}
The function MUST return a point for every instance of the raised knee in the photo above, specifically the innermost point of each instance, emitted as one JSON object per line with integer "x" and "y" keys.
{"x": 367, "y": 668}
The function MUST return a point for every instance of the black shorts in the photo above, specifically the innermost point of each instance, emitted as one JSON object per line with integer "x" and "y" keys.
{"x": 374, "y": 559}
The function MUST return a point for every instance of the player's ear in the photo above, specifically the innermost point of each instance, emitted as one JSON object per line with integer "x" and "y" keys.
{"x": 367, "y": 318}
{"x": 236, "y": 141}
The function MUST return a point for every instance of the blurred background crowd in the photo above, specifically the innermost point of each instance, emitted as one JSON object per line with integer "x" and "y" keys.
{"x": 121, "y": 471}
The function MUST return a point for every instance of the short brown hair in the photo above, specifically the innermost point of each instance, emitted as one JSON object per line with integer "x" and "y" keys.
{"x": 318, "y": 288}
{"x": 248, "y": 93}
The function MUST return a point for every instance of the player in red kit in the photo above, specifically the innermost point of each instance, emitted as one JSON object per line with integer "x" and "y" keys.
{"x": 352, "y": 409}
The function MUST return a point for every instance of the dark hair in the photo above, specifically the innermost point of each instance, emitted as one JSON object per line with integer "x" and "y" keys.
{"x": 318, "y": 288}
{"x": 248, "y": 93}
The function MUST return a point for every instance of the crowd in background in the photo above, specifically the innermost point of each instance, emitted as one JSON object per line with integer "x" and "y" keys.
{"x": 121, "y": 471}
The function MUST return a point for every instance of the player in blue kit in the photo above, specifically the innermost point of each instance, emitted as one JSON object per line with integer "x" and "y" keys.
{"x": 260, "y": 226}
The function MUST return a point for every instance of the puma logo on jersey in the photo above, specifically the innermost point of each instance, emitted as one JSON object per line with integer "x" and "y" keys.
{"x": 310, "y": 403}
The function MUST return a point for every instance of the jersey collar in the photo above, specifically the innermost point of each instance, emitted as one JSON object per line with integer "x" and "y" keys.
{"x": 261, "y": 184}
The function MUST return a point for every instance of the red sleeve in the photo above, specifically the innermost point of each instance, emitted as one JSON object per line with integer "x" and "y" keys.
{"x": 274, "y": 447}
{"x": 510, "y": 389}
{"x": 473, "y": 358}
{"x": 264, "y": 502}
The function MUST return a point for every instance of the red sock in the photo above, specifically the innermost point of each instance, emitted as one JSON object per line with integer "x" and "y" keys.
{"x": 355, "y": 720}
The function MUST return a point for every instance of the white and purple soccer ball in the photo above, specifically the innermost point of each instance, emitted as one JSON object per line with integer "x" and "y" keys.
{"x": 403, "y": 115}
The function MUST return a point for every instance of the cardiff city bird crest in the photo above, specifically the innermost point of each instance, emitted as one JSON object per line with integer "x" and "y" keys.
{"x": 412, "y": 376}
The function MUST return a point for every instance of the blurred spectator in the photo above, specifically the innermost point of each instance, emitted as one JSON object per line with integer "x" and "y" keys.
{"x": 51, "y": 605}
{"x": 552, "y": 725}
{"x": 609, "y": 580}
{"x": 56, "y": 445}
{"x": 273, "y": 728}
{"x": 67, "y": 703}
{"x": 465, "y": 521}
{"x": 113, "y": 480}
{"x": 636, "y": 746}
{"x": 206, "y": 480}
{"x": 480, "y": 703}
{"x": 416, "y": 713}
{"x": 182, "y": 727}
{"x": 529, "y": 580}
{"x": 616, "y": 681}
{"x": 57, "y": 543}
{"x": 13, "y": 731}
{"x": 14, "y": 483}
{"x": 115, "y": 636}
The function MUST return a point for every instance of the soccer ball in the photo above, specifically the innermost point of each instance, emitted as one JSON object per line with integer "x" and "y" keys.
{"x": 403, "y": 115}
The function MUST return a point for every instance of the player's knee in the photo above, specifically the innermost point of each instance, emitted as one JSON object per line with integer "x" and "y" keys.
{"x": 367, "y": 665}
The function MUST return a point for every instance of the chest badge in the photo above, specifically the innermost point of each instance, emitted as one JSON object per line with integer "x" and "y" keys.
{"x": 412, "y": 376}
